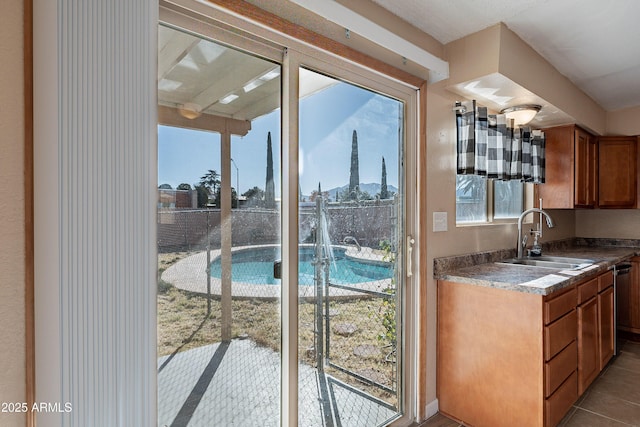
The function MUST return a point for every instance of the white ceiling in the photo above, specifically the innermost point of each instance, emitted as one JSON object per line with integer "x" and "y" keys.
{"x": 595, "y": 43}
{"x": 206, "y": 77}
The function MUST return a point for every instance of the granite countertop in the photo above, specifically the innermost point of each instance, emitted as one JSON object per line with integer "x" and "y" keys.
{"x": 482, "y": 269}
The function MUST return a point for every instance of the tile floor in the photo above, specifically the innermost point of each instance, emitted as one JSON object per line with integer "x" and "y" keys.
{"x": 613, "y": 400}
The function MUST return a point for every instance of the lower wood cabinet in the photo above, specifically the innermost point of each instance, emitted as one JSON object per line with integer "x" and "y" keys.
{"x": 606, "y": 336}
{"x": 606, "y": 318}
{"x": 588, "y": 350}
{"x": 510, "y": 358}
{"x": 557, "y": 406}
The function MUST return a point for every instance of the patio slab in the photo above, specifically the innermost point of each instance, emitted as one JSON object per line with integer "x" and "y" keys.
{"x": 238, "y": 384}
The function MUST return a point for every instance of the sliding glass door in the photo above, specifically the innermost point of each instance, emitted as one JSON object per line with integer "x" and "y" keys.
{"x": 350, "y": 232}
{"x": 283, "y": 296}
{"x": 218, "y": 234}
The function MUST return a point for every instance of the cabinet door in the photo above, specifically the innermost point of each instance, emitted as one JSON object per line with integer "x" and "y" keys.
{"x": 617, "y": 172}
{"x": 585, "y": 169}
{"x": 593, "y": 160}
{"x": 558, "y": 188}
{"x": 588, "y": 352}
{"x": 606, "y": 335}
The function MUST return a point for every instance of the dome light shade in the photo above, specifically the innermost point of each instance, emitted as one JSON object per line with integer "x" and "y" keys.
{"x": 521, "y": 114}
{"x": 190, "y": 110}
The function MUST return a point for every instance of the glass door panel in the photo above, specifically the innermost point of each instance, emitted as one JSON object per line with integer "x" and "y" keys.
{"x": 219, "y": 327}
{"x": 350, "y": 228}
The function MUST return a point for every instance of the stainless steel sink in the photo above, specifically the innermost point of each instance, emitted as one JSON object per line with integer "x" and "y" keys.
{"x": 564, "y": 263}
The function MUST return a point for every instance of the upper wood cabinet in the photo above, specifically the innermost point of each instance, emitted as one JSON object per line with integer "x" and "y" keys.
{"x": 584, "y": 171}
{"x": 617, "y": 171}
{"x": 571, "y": 165}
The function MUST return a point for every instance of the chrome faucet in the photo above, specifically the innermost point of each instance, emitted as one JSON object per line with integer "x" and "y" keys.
{"x": 523, "y": 241}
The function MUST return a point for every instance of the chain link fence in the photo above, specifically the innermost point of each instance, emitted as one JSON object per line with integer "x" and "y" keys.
{"x": 348, "y": 301}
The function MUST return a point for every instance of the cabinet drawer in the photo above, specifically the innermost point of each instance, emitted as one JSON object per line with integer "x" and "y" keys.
{"x": 559, "y": 306}
{"x": 587, "y": 290}
{"x": 560, "y": 368}
{"x": 559, "y": 334}
{"x": 605, "y": 280}
{"x": 560, "y": 402}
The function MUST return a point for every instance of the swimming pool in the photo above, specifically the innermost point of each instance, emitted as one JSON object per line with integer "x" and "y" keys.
{"x": 255, "y": 266}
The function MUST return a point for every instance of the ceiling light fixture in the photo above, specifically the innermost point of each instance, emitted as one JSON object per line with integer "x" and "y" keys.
{"x": 190, "y": 110}
{"x": 521, "y": 114}
{"x": 252, "y": 85}
{"x": 270, "y": 75}
{"x": 229, "y": 98}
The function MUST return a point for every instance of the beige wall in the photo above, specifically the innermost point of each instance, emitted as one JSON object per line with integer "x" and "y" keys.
{"x": 624, "y": 122}
{"x": 613, "y": 223}
{"x": 12, "y": 265}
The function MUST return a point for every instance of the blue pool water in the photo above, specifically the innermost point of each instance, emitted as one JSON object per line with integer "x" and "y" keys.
{"x": 255, "y": 266}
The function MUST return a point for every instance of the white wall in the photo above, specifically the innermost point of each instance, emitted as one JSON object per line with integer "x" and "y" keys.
{"x": 12, "y": 226}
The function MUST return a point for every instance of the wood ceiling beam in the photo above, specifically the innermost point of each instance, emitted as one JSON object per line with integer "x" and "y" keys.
{"x": 170, "y": 116}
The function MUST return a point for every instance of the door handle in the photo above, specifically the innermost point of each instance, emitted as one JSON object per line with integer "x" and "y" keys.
{"x": 277, "y": 269}
{"x": 410, "y": 242}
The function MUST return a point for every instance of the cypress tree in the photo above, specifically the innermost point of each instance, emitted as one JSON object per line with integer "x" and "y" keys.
{"x": 269, "y": 192}
{"x": 354, "y": 177}
{"x": 384, "y": 193}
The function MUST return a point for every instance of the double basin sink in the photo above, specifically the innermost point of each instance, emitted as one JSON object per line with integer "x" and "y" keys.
{"x": 556, "y": 262}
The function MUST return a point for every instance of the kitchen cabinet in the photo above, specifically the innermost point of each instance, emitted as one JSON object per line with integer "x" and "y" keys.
{"x": 588, "y": 349}
{"x": 617, "y": 172}
{"x": 492, "y": 354}
{"x": 505, "y": 358}
{"x": 628, "y": 297}
{"x": 606, "y": 335}
{"x": 571, "y": 165}
{"x": 586, "y": 169}
{"x": 595, "y": 328}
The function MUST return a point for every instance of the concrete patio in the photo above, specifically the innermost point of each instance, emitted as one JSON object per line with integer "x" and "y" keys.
{"x": 238, "y": 384}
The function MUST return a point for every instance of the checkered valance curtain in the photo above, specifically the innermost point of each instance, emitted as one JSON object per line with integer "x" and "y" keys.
{"x": 490, "y": 146}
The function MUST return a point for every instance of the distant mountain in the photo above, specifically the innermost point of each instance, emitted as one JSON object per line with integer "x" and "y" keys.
{"x": 372, "y": 188}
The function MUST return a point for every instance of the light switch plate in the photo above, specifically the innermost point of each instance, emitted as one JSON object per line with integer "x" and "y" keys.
{"x": 439, "y": 221}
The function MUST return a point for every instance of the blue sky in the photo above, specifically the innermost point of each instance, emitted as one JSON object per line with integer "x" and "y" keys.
{"x": 327, "y": 120}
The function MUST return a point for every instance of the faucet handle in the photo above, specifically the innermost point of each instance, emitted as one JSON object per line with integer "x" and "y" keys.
{"x": 524, "y": 240}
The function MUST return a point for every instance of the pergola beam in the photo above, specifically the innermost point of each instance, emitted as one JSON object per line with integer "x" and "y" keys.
{"x": 170, "y": 116}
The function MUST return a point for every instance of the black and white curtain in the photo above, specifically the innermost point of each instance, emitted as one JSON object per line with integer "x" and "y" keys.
{"x": 490, "y": 146}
